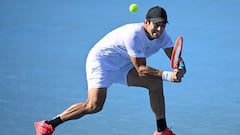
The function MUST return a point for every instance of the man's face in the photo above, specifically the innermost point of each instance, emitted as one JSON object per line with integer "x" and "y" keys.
{"x": 154, "y": 30}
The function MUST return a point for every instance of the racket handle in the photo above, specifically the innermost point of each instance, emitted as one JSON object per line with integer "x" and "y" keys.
{"x": 181, "y": 66}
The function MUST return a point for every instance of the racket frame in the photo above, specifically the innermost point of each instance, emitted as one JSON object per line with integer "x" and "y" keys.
{"x": 174, "y": 58}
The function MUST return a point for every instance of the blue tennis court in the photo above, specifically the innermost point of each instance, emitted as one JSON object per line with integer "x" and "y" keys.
{"x": 43, "y": 48}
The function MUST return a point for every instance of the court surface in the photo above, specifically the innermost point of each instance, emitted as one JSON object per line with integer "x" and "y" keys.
{"x": 44, "y": 44}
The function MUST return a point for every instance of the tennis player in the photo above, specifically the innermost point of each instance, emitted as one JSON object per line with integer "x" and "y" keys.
{"x": 120, "y": 57}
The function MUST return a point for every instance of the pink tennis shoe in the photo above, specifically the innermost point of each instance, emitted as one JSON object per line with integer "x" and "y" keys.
{"x": 167, "y": 131}
{"x": 42, "y": 128}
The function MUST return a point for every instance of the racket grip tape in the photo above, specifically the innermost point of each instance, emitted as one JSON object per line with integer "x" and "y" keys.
{"x": 181, "y": 65}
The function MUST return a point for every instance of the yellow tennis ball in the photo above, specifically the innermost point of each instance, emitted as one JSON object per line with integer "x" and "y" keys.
{"x": 133, "y": 8}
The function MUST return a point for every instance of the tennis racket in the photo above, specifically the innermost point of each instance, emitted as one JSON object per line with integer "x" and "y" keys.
{"x": 176, "y": 53}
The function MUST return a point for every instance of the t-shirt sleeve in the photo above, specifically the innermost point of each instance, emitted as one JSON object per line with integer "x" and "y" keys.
{"x": 135, "y": 46}
{"x": 167, "y": 41}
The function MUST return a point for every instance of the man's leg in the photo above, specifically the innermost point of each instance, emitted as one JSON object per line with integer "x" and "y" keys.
{"x": 155, "y": 87}
{"x": 94, "y": 103}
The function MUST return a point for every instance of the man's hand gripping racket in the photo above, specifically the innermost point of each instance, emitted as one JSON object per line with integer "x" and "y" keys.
{"x": 176, "y": 62}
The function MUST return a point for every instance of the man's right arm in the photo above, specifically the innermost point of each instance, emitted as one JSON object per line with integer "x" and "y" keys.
{"x": 142, "y": 68}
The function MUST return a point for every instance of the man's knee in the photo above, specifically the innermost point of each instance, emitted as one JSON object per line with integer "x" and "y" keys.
{"x": 93, "y": 107}
{"x": 154, "y": 84}
{"x": 96, "y": 99}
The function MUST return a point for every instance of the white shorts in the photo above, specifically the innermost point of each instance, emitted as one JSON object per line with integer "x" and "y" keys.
{"x": 100, "y": 73}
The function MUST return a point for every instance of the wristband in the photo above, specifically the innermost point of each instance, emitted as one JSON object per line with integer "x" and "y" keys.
{"x": 167, "y": 76}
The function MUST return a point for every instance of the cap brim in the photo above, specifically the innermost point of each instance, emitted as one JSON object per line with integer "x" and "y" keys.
{"x": 157, "y": 20}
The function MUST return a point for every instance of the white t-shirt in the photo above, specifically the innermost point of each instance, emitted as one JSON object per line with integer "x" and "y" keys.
{"x": 112, "y": 53}
{"x": 128, "y": 40}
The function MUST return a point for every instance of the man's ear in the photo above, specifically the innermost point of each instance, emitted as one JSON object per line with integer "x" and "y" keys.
{"x": 146, "y": 21}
